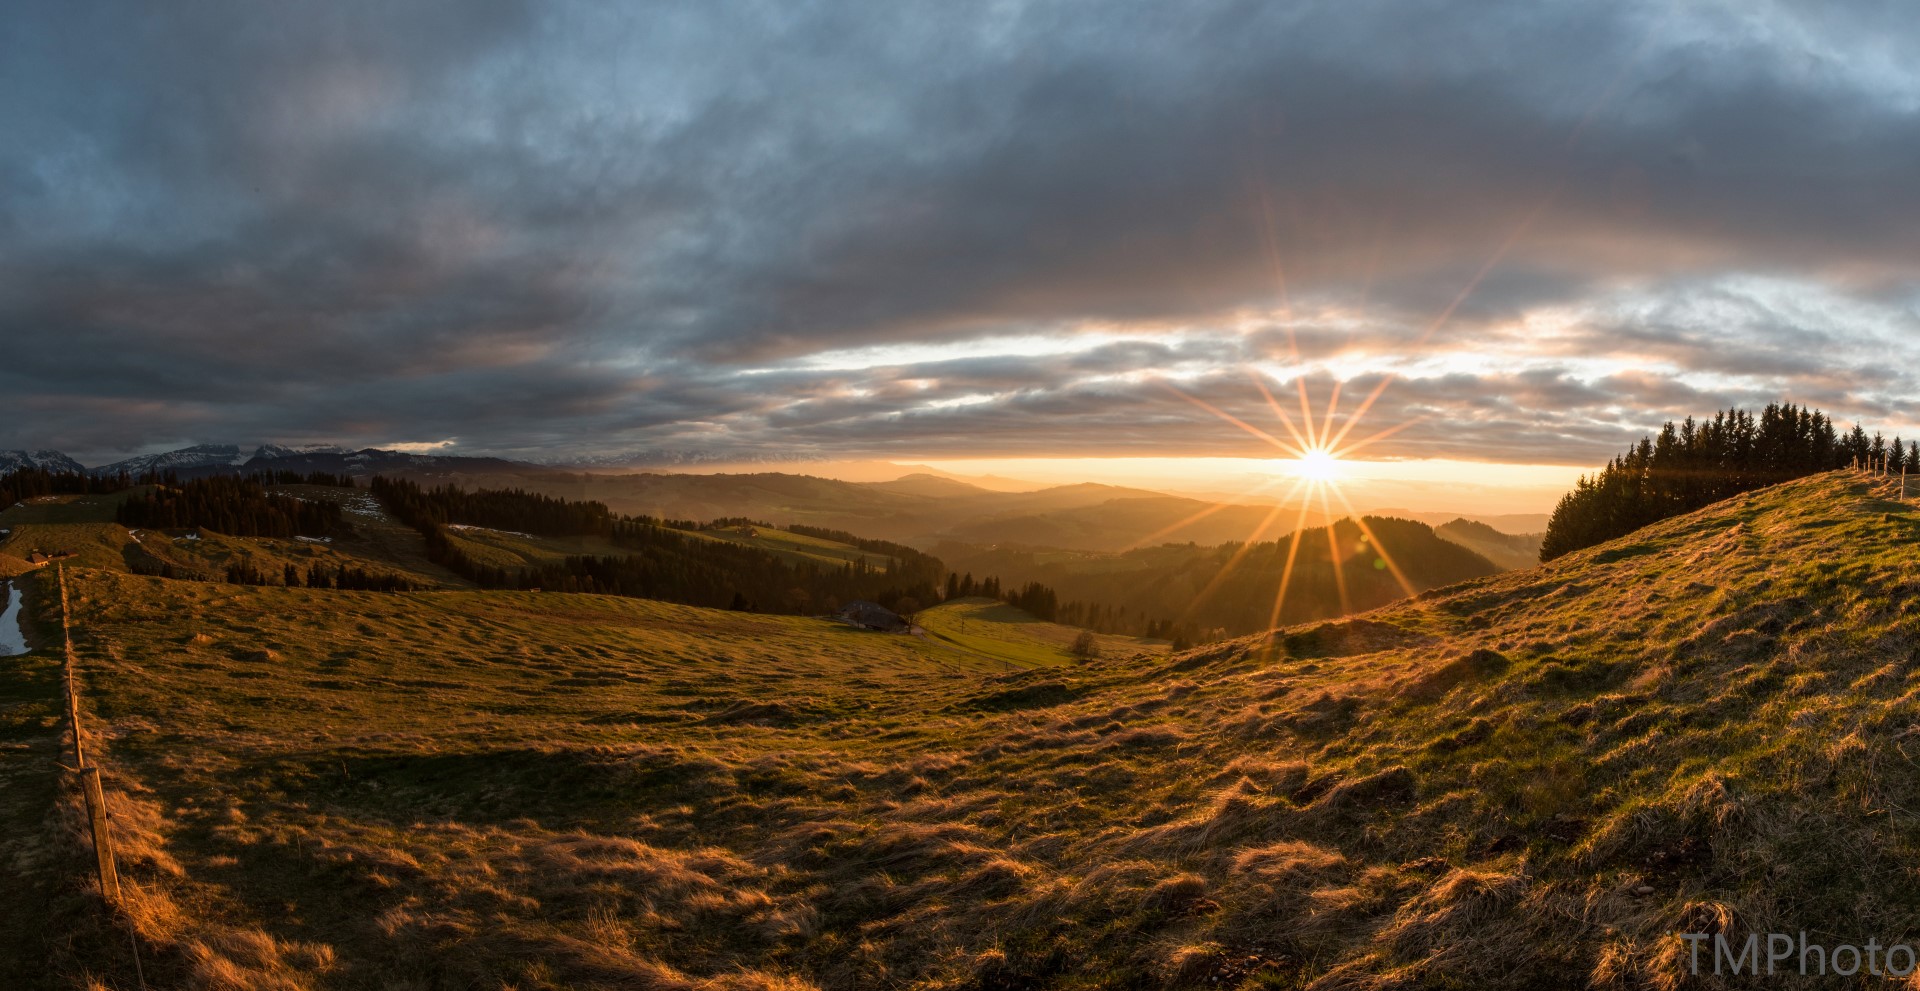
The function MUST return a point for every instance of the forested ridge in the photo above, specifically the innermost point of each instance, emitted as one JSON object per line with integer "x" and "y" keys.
{"x": 1692, "y": 464}
{"x": 240, "y": 507}
{"x": 660, "y": 561}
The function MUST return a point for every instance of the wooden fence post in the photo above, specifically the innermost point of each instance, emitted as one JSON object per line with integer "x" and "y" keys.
{"x": 102, "y": 834}
{"x": 98, "y": 819}
{"x": 71, "y": 689}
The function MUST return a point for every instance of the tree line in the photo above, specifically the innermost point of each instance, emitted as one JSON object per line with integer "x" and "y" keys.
{"x": 512, "y": 510}
{"x": 240, "y": 507}
{"x": 33, "y": 483}
{"x": 354, "y": 579}
{"x": 1693, "y": 464}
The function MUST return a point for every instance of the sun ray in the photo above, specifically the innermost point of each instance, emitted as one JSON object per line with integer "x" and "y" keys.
{"x": 1293, "y": 555}
{"x": 1211, "y": 509}
{"x": 1359, "y": 445}
{"x": 1239, "y": 555}
{"x": 1333, "y": 405}
{"x": 1333, "y": 552}
{"x": 1379, "y": 548}
{"x": 1306, "y": 411}
{"x": 1493, "y": 261}
{"x": 1230, "y": 418}
{"x": 1285, "y": 420}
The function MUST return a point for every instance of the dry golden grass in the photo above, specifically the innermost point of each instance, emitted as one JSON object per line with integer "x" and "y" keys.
{"x": 1527, "y": 781}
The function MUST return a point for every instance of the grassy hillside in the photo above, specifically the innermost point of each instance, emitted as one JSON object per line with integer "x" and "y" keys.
{"x": 83, "y": 525}
{"x": 991, "y": 628}
{"x": 1530, "y": 780}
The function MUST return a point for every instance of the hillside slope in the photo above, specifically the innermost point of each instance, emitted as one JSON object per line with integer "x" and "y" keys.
{"x": 1511, "y": 551}
{"x": 1530, "y": 780}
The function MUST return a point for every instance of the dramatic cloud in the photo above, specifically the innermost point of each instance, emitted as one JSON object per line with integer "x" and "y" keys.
{"x": 945, "y": 230}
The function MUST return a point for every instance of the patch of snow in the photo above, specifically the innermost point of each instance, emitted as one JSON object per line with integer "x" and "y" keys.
{"x": 12, "y": 640}
{"x": 315, "y": 540}
{"x": 466, "y": 526}
{"x": 198, "y": 456}
{"x": 267, "y": 451}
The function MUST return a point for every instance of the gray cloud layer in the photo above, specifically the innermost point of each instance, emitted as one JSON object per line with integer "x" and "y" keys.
{"x": 570, "y": 228}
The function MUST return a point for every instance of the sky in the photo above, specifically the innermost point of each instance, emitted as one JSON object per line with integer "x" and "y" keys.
{"x": 1053, "y": 233}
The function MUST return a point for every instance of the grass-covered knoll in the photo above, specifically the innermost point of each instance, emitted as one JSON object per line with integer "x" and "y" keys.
{"x": 992, "y": 628}
{"x": 514, "y": 550}
{"x": 1531, "y": 780}
{"x": 81, "y": 525}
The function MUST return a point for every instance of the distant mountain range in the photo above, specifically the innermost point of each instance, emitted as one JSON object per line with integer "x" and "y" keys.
{"x": 373, "y": 461}
{"x": 12, "y": 461}
{"x": 921, "y": 509}
{"x": 184, "y": 459}
{"x": 204, "y": 459}
{"x": 673, "y": 458}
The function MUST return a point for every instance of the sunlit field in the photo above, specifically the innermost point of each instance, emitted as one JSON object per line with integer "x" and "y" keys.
{"x": 536, "y": 790}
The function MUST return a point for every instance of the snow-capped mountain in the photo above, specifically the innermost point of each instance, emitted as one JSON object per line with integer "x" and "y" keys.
{"x": 284, "y": 451}
{"x": 184, "y": 459}
{"x": 12, "y": 461}
{"x": 373, "y": 461}
{"x": 669, "y": 458}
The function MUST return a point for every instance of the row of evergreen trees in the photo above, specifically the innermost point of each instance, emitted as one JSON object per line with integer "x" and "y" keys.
{"x": 325, "y": 478}
{"x": 512, "y": 510}
{"x": 355, "y": 579}
{"x": 239, "y": 507}
{"x": 340, "y": 576}
{"x": 1690, "y": 465}
{"x": 33, "y": 483}
{"x": 959, "y": 587}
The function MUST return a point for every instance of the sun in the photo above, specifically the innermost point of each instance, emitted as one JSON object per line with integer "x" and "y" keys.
{"x": 1317, "y": 465}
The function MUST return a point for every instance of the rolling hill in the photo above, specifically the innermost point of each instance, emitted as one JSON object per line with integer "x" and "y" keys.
{"x": 1337, "y": 570}
{"x": 1533, "y": 779}
{"x": 1511, "y": 551}
{"x": 918, "y": 509}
